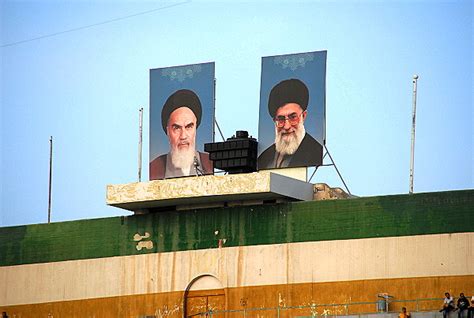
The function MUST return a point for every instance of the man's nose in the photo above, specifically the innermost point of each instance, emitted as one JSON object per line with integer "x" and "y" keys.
{"x": 183, "y": 134}
{"x": 287, "y": 125}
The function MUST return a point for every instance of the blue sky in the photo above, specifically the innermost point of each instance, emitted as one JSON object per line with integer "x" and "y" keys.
{"x": 87, "y": 75}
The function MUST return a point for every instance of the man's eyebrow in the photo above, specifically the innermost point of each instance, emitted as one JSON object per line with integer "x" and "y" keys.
{"x": 175, "y": 126}
{"x": 291, "y": 114}
{"x": 191, "y": 124}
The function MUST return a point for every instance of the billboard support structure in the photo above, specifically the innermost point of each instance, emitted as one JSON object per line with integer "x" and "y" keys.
{"x": 328, "y": 165}
{"x": 219, "y": 128}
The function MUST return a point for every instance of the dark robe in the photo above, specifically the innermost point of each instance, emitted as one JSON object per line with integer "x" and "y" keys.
{"x": 309, "y": 153}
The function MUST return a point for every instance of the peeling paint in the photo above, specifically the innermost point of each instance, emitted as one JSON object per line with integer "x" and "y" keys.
{"x": 281, "y": 301}
{"x": 143, "y": 244}
{"x": 137, "y": 237}
{"x": 146, "y": 244}
{"x": 166, "y": 312}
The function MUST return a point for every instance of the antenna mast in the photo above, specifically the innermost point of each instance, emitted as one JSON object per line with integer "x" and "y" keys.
{"x": 140, "y": 139}
{"x": 412, "y": 151}
{"x": 50, "y": 176}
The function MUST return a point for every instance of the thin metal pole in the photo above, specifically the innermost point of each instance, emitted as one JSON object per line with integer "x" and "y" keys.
{"x": 337, "y": 170}
{"x": 140, "y": 139}
{"x": 222, "y": 136}
{"x": 412, "y": 150}
{"x": 312, "y": 175}
{"x": 50, "y": 176}
{"x": 214, "y": 110}
{"x": 215, "y": 119}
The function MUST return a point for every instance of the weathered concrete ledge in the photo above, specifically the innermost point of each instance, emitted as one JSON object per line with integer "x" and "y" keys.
{"x": 193, "y": 192}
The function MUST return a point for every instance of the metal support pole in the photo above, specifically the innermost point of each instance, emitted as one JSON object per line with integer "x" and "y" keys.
{"x": 337, "y": 170}
{"x": 50, "y": 176}
{"x": 312, "y": 175}
{"x": 214, "y": 113}
{"x": 140, "y": 139}
{"x": 219, "y": 128}
{"x": 412, "y": 152}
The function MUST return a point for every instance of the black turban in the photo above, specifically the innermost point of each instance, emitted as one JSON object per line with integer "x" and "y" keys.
{"x": 288, "y": 91}
{"x": 181, "y": 98}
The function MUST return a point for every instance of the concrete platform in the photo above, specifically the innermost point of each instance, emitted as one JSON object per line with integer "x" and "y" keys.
{"x": 201, "y": 191}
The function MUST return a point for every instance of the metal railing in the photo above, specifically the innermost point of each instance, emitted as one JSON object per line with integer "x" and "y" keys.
{"x": 329, "y": 310}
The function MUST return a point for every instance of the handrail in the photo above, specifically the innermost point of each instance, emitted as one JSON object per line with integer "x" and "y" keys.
{"x": 314, "y": 306}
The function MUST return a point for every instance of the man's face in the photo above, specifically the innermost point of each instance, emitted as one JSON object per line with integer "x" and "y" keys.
{"x": 289, "y": 128}
{"x": 181, "y": 129}
{"x": 288, "y": 119}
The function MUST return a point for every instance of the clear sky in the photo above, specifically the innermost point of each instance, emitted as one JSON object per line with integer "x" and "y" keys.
{"x": 79, "y": 71}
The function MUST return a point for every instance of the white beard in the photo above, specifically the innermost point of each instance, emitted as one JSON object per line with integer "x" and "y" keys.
{"x": 289, "y": 144}
{"x": 183, "y": 159}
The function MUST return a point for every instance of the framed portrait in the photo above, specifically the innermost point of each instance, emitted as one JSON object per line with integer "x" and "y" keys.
{"x": 292, "y": 112}
{"x": 181, "y": 120}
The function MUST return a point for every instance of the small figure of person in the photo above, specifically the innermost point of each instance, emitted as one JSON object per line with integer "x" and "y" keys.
{"x": 463, "y": 304}
{"x": 404, "y": 313}
{"x": 448, "y": 305}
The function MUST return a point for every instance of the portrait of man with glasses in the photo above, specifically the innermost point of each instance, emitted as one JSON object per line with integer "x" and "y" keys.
{"x": 293, "y": 146}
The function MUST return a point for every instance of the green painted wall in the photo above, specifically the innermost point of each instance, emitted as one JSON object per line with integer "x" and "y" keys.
{"x": 384, "y": 216}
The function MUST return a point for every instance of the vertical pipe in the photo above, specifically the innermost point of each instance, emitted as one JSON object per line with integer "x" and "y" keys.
{"x": 140, "y": 139}
{"x": 412, "y": 150}
{"x": 50, "y": 176}
{"x": 214, "y": 111}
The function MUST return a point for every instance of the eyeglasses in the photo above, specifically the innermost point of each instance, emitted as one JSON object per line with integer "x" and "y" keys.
{"x": 292, "y": 118}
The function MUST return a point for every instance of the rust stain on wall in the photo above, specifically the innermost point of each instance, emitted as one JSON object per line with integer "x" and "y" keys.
{"x": 273, "y": 296}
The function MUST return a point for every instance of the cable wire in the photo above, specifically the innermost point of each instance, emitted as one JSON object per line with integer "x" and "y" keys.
{"x": 95, "y": 24}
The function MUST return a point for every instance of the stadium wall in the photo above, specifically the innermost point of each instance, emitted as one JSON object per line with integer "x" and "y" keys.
{"x": 293, "y": 254}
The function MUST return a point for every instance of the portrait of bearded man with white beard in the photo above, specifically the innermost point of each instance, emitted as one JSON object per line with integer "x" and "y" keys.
{"x": 181, "y": 116}
{"x": 293, "y": 147}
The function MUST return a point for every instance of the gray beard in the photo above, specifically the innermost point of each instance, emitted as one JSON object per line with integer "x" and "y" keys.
{"x": 289, "y": 147}
{"x": 183, "y": 159}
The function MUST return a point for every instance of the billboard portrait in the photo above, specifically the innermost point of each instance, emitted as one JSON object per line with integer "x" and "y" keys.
{"x": 292, "y": 113}
{"x": 181, "y": 120}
